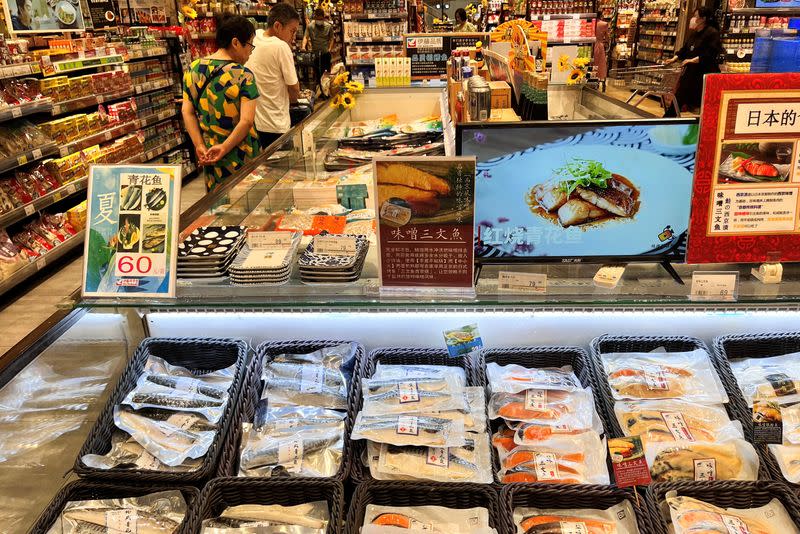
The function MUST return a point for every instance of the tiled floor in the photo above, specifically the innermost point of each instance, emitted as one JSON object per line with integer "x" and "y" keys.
{"x": 34, "y": 301}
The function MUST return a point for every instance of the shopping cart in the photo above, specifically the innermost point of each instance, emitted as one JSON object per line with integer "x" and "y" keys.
{"x": 656, "y": 80}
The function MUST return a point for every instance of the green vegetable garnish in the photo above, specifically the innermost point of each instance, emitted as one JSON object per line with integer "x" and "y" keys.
{"x": 690, "y": 137}
{"x": 583, "y": 173}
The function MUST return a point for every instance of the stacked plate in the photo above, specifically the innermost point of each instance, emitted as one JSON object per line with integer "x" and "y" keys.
{"x": 208, "y": 251}
{"x": 333, "y": 269}
{"x": 264, "y": 266}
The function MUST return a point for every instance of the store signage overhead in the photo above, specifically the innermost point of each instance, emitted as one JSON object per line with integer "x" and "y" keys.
{"x": 104, "y": 14}
{"x": 426, "y": 220}
{"x": 132, "y": 231}
{"x": 430, "y": 52}
{"x": 43, "y": 16}
{"x": 747, "y": 181}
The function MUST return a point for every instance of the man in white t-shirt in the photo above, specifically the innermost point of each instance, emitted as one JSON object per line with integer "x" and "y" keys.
{"x": 272, "y": 63}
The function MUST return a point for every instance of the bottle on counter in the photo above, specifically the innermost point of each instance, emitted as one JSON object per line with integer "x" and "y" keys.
{"x": 479, "y": 59}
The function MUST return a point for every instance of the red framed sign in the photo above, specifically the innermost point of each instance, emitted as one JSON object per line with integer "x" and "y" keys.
{"x": 746, "y": 197}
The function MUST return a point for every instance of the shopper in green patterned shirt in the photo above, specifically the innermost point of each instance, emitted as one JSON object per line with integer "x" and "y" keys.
{"x": 219, "y": 102}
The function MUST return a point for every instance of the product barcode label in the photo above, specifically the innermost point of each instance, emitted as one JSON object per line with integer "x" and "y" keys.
{"x": 408, "y": 392}
{"x": 124, "y": 521}
{"x": 438, "y": 456}
{"x": 536, "y": 399}
{"x": 705, "y": 469}
{"x": 546, "y": 466}
{"x": 290, "y": 455}
{"x": 714, "y": 286}
{"x": 522, "y": 282}
{"x": 734, "y": 524}
{"x": 574, "y": 527}
{"x": 677, "y": 426}
{"x": 407, "y": 424}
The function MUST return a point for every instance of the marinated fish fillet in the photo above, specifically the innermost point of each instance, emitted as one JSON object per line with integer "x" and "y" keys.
{"x": 616, "y": 197}
{"x": 411, "y": 194}
{"x": 678, "y": 463}
{"x": 400, "y": 174}
{"x": 576, "y": 211}
{"x": 510, "y": 406}
{"x": 549, "y": 195}
{"x": 652, "y": 425}
{"x": 526, "y": 465}
{"x": 692, "y": 516}
{"x": 650, "y": 381}
{"x": 553, "y": 524}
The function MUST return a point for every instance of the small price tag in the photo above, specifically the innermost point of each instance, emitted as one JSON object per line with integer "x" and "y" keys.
{"x": 99, "y": 99}
{"x": 608, "y": 276}
{"x": 335, "y": 245}
{"x": 181, "y": 421}
{"x": 574, "y": 527}
{"x": 705, "y": 469}
{"x": 22, "y": 160}
{"x": 107, "y": 135}
{"x": 546, "y": 17}
{"x": 677, "y": 426}
{"x": 268, "y": 239}
{"x": 522, "y": 282}
{"x": 438, "y": 456}
{"x": 536, "y": 399}
{"x": 63, "y": 151}
{"x": 57, "y": 197}
{"x": 16, "y": 112}
{"x": 71, "y": 189}
{"x": 628, "y": 461}
{"x": 575, "y": 16}
{"x": 546, "y": 466}
{"x": 408, "y": 425}
{"x": 734, "y": 525}
{"x": 567, "y": 40}
{"x": 41, "y": 263}
{"x": 714, "y": 286}
{"x": 56, "y": 109}
{"x": 37, "y": 153}
{"x": 29, "y": 209}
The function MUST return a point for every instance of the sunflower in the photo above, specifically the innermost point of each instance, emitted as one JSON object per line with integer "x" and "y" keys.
{"x": 354, "y": 87}
{"x": 563, "y": 63}
{"x": 336, "y": 101}
{"x": 189, "y": 12}
{"x": 341, "y": 79}
{"x": 575, "y": 77}
{"x": 348, "y": 101}
{"x": 580, "y": 62}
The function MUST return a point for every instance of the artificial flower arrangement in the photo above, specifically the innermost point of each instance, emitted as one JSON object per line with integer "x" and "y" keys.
{"x": 578, "y": 67}
{"x": 344, "y": 91}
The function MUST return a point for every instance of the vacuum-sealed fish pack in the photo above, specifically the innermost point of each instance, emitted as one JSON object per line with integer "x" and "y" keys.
{"x": 308, "y": 518}
{"x": 691, "y": 516}
{"x": 379, "y": 529}
{"x": 155, "y": 513}
{"x": 664, "y": 375}
{"x": 776, "y": 378}
{"x": 788, "y": 458}
{"x": 552, "y": 407}
{"x": 516, "y": 378}
{"x": 411, "y": 371}
{"x": 617, "y": 519}
{"x": 127, "y": 453}
{"x": 474, "y": 418}
{"x": 702, "y": 462}
{"x": 413, "y": 395}
{"x": 294, "y": 419}
{"x": 676, "y": 420}
{"x": 432, "y": 519}
{"x": 421, "y": 430}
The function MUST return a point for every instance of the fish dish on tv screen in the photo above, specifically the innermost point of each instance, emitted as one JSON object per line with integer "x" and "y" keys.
{"x": 582, "y": 191}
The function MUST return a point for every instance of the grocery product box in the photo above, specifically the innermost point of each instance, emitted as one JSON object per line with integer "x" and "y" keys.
{"x": 501, "y": 94}
{"x": 503, "y": 115}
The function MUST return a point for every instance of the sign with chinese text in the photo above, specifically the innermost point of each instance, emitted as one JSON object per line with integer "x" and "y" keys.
{"x": 426, "y": 214}
{"x": 628, "y": 461}
{"x": 746, "y": 201}
{"x": 132, "y": 230}
{"x": 103, "y": 14}
{"x": 430, "y": 52}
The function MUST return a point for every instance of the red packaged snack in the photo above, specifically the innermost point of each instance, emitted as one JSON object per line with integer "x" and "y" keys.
{"x": 30, "y": 240}
{"x": 29, "y": 182}
{"x": 15, "y": 192}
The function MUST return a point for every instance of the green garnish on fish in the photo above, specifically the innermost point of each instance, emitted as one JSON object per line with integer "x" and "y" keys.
{"x": 691, "y": 135}
{"x": 582, "y": 173}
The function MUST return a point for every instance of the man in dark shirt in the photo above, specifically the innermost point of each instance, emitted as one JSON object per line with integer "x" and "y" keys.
{"x": 24, "y": 17}
{"x": 319, "y": 38}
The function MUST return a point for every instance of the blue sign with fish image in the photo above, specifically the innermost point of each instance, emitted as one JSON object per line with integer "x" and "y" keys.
{"x": 613, "y": 191}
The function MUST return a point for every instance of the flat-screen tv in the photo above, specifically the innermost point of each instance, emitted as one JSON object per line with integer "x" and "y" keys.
{"x": 581, "y": 191}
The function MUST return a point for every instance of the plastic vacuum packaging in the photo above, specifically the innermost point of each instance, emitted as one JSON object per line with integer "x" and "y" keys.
{"x": 469, "y": 463}
{"x": 185, "y": 395}
{"x": 575, "y": 459}
{"x": 390, "y": 371}
{"x": 692, "y": 460}
{"x": 676, "y": 420}
{"x": 418, "y": 430}
{"x": 617, "y": 519}
{"x": 776, "y": 378}
{"x": 692, "y": 516}
{"x": 127, "y": 453}
{"x": 420, "y": 394}
{"x": 378, "y": 529}
{"x": 154, "y": 513}
{"x": 319, "y": 378}
{"x": 432, "y": 519}
{"x": 515, "y": 378}
{"x": 664, "y": 375}
{"x": 566, "y": 409}
{"x": 788, "y": 457}
{"x": 308, "y": 518}
{"x": 293, "y": 419}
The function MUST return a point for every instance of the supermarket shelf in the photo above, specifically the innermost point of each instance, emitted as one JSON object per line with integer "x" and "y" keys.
{"x": 108, "y": 135}
{"x": 563, "y": 16}
{"x": 390, "y": 39}
{"x": 32, "y": 268}
{"x": 376, "y": 16}
{"x": 87, "y": 101}
{"x": 74, "y": 65}
{"x": 25, "y": 69}
{"x": 654, "y": 46}
{"x": 764, "y": 10}
{"x": 37, "y": 106}
{"x": 152, "y": 86}
{"x": 255, "y": 13}
{"x": 658, "y": 19}
{"x": 163, "y": 148}
{"x": 659, "y": 33}
{"x": 571, "y": 40}
{"x": 157, "y": 117}
{"x": 17, "y": 214}
{"x": 156, "y": 52}
{"x": 357, "y": 62}
{"x": 7, "y": 164}
{"x": 203, "y": 35}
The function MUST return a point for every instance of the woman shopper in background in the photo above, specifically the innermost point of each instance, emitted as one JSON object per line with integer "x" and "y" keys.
{"x": 219, "y": 102}
{"x": 699, "y": 56}
{"x": 600, "y": 50}
{"x": 461, "y": 22}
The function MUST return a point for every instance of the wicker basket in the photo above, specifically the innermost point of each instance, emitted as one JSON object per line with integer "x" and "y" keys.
{"x": 546, "y": 496}
{"x": 728, "y": 494}
{"x": 471, "y": 364}
{"x": 200, "y": 356}
{"x": 389, "y": 493}
{"x": 222, "y": 493}
{"x": 83, "y": 490}
{"x": 229, "y": 461}
{"x": 734, "y": 347}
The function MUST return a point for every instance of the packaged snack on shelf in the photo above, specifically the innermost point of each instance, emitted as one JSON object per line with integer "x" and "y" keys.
{"x": 776, "y": 378}
{"x": 676, "y": 420}
{"x": 308, "y": 518}
{"x": 690, "y": 516}
{"x": 11, "y": 257}
{"x": 664, "y": 375}
{"x": 702, "y": 462}
{"x": 403, "y": 430}
{"x": 515, "y": 378}
{"x": 417, "y": 395}
{"x": 432, "y": 519}
{"x": 35, "y": 244}
{"x": 618, "y": 519}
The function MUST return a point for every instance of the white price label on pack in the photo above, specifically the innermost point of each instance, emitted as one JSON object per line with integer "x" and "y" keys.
{"x": 438, "y": 456}
{"x": 408, "y": 392}
{"x": 311, "y": 378}
{"x": 125, "y": 520}
{"x": 408, "y": 424}
{"x": 335, "y": 246}
{"x": 181, "y": 421}
{"x": 522, "y": 282}
{"x": 546, "y": 466}
{"x": 147, "y": 461}
{"x": 268, "y": 239}
{"x": 677, "y": 426}
{"x": 734, "y": 525}
{"x": 290, "y": 455}
{"x": 714, "y": 286}
{"x": 536, "y": 399}
{"x": 16, "y": 112}
{"x": 573, "y": 527}
{"x": 705, "y": 469}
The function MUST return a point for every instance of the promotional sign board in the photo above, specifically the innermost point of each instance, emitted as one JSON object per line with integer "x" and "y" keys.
{"x": 104, "y": 13}
{"x": 430, "y": 52}
{"x": 43, "y": 16}
{"x": 426, "y": 217}
{"x": 132, "y": 231}
{"x": 745, "y": 206}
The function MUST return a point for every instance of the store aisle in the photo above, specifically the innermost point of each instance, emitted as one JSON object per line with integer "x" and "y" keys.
{"x": 33, "y": 302}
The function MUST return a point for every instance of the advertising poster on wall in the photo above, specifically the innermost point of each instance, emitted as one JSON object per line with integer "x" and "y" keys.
{"x": 746, "y": 201}
{"x": 426, "y": 219}
{"x": 148, "y": 12}
{"x": 104, "y": 13}
{"x": 430, "y": 52}
{"x": 132, "y": 231}
{"x": 43, "y": 16}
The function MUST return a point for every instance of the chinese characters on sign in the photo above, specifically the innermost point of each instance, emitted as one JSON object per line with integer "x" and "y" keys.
{"x": 747, "y": 178}
{"x": 426, "y": 222}
{"x": 132, "y": 220}
{"x": 430, "y": 53}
